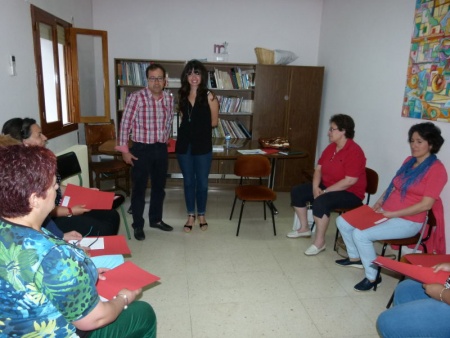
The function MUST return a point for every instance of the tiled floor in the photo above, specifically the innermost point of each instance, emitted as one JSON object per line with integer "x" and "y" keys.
{"x": 214, "y": 284}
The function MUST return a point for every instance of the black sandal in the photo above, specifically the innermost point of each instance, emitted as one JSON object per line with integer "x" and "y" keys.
{"x": 187, "y": 227}
{"x": 203, "y": 226}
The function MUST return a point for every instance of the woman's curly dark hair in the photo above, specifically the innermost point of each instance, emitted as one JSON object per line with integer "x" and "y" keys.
{"x": 430, "y": 133}
{"x": 344, "y": 122}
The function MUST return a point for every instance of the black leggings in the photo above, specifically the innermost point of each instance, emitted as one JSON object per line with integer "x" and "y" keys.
{"x": 323, "y": 204}
{"x": 92, "y": 223}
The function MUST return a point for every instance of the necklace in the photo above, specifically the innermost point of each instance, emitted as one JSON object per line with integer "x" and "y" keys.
{"x": 189, "y": 111}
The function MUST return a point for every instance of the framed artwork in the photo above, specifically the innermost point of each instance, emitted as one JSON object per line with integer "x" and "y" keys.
{"x": 427, "y": 90}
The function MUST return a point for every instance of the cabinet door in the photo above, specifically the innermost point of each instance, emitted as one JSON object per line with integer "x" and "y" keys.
{"x": 302, "y": 123}
{"x": 271, "y": 95}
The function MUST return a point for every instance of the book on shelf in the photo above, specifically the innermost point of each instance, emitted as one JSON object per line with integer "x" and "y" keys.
{"x": 236, "y": 129}
{"x": 212, "y": 80}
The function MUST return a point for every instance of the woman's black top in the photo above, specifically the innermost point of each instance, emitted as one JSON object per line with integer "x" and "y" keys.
{"x": 195, "y": 129}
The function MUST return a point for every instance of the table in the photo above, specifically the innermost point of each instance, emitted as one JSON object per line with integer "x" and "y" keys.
{"x": 227, "y": 154}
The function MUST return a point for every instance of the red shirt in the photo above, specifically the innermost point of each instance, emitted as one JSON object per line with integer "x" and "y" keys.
{"x": 349, "y": 161}
{"x": 430, "y": 185}
{"x": 146, "y": 119}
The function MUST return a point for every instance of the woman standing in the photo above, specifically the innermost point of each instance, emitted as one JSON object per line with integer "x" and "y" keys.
{"x": 199, "y": 110}
{"x": 339, "y": 181}
{"x": 411, "y": 193}
{"x": 47, "y": 286}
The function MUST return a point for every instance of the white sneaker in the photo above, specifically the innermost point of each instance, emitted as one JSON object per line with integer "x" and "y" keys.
{"x": 314, "y": 250}
{"x": 296, "y": 234}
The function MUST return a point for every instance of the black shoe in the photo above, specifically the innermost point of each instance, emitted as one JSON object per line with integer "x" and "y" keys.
{"x": 161, "y": 225}
{"x": 139, "y": 234}
{"x": 366, "y": 285}
{"x": 348, "y": 262}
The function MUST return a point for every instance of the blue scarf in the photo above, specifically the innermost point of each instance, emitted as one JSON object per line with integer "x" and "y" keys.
{"x": 409, "y": 176}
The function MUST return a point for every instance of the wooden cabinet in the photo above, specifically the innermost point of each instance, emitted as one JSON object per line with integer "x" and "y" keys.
{"x": 287, "y": 103}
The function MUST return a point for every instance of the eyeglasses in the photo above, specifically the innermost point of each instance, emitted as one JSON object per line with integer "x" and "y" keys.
{"x": 332, "y": 129}
{"x": 194, "y": 72}
{"x": 154, "y": 79}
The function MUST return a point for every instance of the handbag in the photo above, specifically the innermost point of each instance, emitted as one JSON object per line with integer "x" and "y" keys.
{"x": 274, "y": 142}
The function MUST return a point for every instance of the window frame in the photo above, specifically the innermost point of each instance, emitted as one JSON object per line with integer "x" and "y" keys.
{"x": 56, "y": 128}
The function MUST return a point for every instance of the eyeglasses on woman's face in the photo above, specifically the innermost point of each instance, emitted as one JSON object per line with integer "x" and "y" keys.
{"x": 331, "y": 129}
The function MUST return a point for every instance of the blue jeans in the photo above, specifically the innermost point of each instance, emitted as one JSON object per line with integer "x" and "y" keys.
{"x": 152, "y": 162}
{"x": 359, "y": 243}
{"x": 414, "y": 314}
{"x": 195, "y": 170}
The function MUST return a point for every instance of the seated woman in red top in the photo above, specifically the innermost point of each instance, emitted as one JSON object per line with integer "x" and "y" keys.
{"x": 413, "y": 190}
{"x": 339, "y": 181}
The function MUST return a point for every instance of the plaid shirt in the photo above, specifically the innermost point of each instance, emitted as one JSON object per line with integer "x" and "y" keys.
{"x": 145, "y": 119}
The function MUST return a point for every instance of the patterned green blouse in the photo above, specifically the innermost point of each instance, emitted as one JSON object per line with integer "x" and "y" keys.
{"x": 45, "y": 283}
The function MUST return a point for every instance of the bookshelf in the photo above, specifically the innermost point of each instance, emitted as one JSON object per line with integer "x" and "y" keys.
{"x": 265, "y": 100}
{"x": 232, "y": 83}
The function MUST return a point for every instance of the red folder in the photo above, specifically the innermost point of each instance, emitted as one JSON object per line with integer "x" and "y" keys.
{"x": 126, "y": 276}
{"x": 91, "y": 198}
{"x": 427, "y": 259}
{"x": 363, "y": 217}
{"x": 422, "y": 274}
{"x": 114, "y": 245}
{"x": 171, "y": 145}
{"x": 269, "y": 151}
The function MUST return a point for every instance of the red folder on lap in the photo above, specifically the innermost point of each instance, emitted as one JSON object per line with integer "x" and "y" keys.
{"x": 114, "y": 245}
{"x": 422, "y": 274}
{"x": 91, "y": 198}
{"x": 427, "y": 259}
{"x": 126, "y": 276}
{"x": 363, "y": 217}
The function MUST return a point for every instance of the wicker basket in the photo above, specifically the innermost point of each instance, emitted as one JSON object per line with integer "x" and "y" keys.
{"x": 265, "y": 56}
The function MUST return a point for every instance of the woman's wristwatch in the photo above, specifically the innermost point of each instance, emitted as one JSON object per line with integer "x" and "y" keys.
{"x": 70, "y": 212}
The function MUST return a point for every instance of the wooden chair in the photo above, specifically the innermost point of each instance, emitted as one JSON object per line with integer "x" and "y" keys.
{"x": 253, "y": 166}
{"x": 115, "y": 169}
{"x": 68, "y": 166}
{"x": 371, "y": 189}
{"x": 419, "y": 239}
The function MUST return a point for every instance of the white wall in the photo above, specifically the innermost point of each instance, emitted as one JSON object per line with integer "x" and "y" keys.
{"x": 364, "y": 46}
{"x": 183, "y": 30}
{"x": 18, "y": 94}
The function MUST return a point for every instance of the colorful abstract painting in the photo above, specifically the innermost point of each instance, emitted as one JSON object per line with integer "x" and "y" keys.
{"x": 427, "y": 93}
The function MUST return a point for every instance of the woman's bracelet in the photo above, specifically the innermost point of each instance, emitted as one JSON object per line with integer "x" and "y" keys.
{"x": 124, "y": 296}
{"x": 442, "y": 293}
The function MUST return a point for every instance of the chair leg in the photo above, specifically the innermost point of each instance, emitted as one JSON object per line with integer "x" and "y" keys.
{"x": 272, "y": 211}
{"x": 391, "y": 300}
{"x": 127, "y": 228}
{"x": 264, "y": 208}
{"x": 240, "y": 217}
{"x": 335, "y": 239}
{"x": 232, "y": 209}
{"x": 383, "y": 251}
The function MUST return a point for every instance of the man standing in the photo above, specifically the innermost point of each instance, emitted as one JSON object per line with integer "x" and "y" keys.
{"x": 147, "y": 118}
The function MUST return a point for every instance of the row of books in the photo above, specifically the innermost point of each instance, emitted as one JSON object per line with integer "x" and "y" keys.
{"x": 233, "y": 104}
{"x": 236, "y": 129}
{"x": 235, "y": 78}
{"x": 132, "y": 73}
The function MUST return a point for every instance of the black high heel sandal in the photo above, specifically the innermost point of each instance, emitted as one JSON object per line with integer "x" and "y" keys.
{"x": 187, "y": 227}
{"x": 203, "y": 226}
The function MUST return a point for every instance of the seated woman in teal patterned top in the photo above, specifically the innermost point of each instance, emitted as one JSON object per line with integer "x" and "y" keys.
{"x": 47, "y": 286}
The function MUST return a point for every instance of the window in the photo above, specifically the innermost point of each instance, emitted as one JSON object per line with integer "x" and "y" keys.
{"x": 52, "y": 67}
{"x": 72, "y": 74}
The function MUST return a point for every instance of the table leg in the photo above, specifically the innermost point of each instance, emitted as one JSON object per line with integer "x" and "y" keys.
{"x": 271, "y": 183}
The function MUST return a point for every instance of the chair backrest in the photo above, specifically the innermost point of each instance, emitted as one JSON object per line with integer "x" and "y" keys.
{"x": 372, "y": 183}
{"x": 252, "y": 166}
{"x": 69, "y": 166}
{"x": 431, "y": 221}
{"x": 97, "y": 134}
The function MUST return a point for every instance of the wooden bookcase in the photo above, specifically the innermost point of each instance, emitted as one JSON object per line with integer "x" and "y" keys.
{"x": 286, "y": 102}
